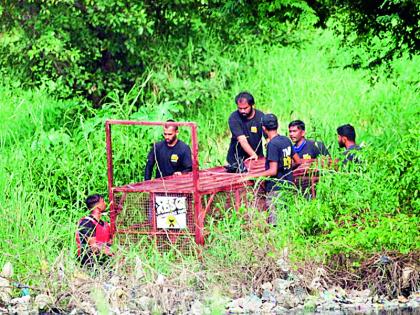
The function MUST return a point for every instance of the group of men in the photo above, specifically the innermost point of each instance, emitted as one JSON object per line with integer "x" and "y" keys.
{"x": 248, "y": 126}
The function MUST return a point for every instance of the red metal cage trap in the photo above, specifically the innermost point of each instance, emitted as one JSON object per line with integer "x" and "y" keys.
{"x": 173, "y": 209}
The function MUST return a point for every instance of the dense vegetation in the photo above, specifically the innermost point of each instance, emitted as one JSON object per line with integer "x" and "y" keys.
{"x": 68, "y": 66}
{"x": 85, "y": 48}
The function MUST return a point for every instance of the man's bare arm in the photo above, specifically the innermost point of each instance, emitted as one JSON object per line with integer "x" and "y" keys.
{"x": 247, "y": 148}
{"x": 272, "y": 171}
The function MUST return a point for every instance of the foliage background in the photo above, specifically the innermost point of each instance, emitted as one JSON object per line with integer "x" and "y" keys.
{"x": 67, "y": 66}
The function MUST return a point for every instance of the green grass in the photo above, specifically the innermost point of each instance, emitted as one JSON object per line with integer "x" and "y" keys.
{"x": 53, "y": 156}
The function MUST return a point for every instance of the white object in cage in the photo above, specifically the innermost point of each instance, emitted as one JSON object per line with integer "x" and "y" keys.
{"x": 171, "y": 212}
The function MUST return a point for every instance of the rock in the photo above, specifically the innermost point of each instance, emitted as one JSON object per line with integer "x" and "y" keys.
{"x": 385, "y": 260}
{"x": 390, "y": 305}
{"x": 5, "y": 291}
{"x": 145, "y": 303}
{"x": 280, "y": 310}
{"x": 283, "y": 265}
{"x": 318, "y": 283}
{"x": 115, "y": 280}
{"x": 235, "y": 306}
{"x": 267, "y": 296}
{"x": 267, "y": 307}
{"x": 300, "y": 293}
{"x": 22, "y": 300}
{"x": 42, "y": 301}
{"x": 20, "y": 305}
{"x": 414, "y": 304}
{"x": 236, "y": 303}
{"x": 414, "y": 300}
{"x": 281, "y": 285}
{"x": 338, "y": 291}
{"x": 251, "y": 303}
{"x": 118, "y": 298}
{"x": 108, "y": 287}
{"x": 267, "y": 286}
{"x": 5, "y": 288}
{"x": 7, "y": 271}
{"x": 360, "y": 300}
{"x": 365, "y": 293}
{"x": 406, "y": 275}
{"x": 287, "y": 300}
{"x": 291, "y": 302}
{"x": 327, "y": 296}
{"x": 197, "y": 308}
{"x": 298, "y": 309}
{"x": 160, "y": 280}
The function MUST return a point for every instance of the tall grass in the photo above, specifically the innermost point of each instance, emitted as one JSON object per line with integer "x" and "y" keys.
{"x": 53, "y": 154}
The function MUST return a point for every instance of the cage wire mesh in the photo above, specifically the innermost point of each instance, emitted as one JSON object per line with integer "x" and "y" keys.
{"x": 306, "y": 182}
{"x": 167, "y": 219}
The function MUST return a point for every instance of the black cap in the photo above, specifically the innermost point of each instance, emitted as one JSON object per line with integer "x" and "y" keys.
{"x": 270, "y": 122}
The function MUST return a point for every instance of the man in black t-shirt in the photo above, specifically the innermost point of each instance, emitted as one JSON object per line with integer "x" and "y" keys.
{"x": 278, "y": 163}
{"x": 346, "y": 135}
{"x": 246, "y": 129}
{"x": 280, "y": 154}
{"x": 306, "y": 149}
{"x": 171, "y": 156}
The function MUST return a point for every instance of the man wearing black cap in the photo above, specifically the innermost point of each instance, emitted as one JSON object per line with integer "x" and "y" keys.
{"x": 280, "y": 154}
{"x": 306, "y": 149}
{"x": 245, "y": 125}
{"x": 278, "y": 164}
{"x": 347, "y": 139}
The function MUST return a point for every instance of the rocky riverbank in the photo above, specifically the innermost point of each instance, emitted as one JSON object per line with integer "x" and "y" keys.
{"x": 115, "y": 292}
{"x": 283, "y": 296}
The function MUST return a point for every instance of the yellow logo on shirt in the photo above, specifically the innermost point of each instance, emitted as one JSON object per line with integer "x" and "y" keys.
{"x": 174, "y": 158}
{"x": 254, "y": 129}
{"x": 287, "y": 162}
{"x": 306, "y": 157}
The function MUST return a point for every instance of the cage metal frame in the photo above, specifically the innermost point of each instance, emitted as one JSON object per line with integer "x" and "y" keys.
{"x": 199, "y": 225}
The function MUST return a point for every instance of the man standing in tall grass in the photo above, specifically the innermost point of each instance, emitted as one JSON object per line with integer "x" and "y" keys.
{"x": 306, "y": 149}
{"x": 245, "y": 126}
{"x": 93, "y": 235}
{"x": 346, "y": 135}
{"x": 278, "y": 163}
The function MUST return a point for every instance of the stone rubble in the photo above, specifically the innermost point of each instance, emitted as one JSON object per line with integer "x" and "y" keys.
{"x": 282, "y": 298}
{"x": 122, "y": 295}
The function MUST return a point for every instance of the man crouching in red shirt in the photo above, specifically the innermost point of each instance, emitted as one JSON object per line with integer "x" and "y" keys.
{"x": 93, "y": 235}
